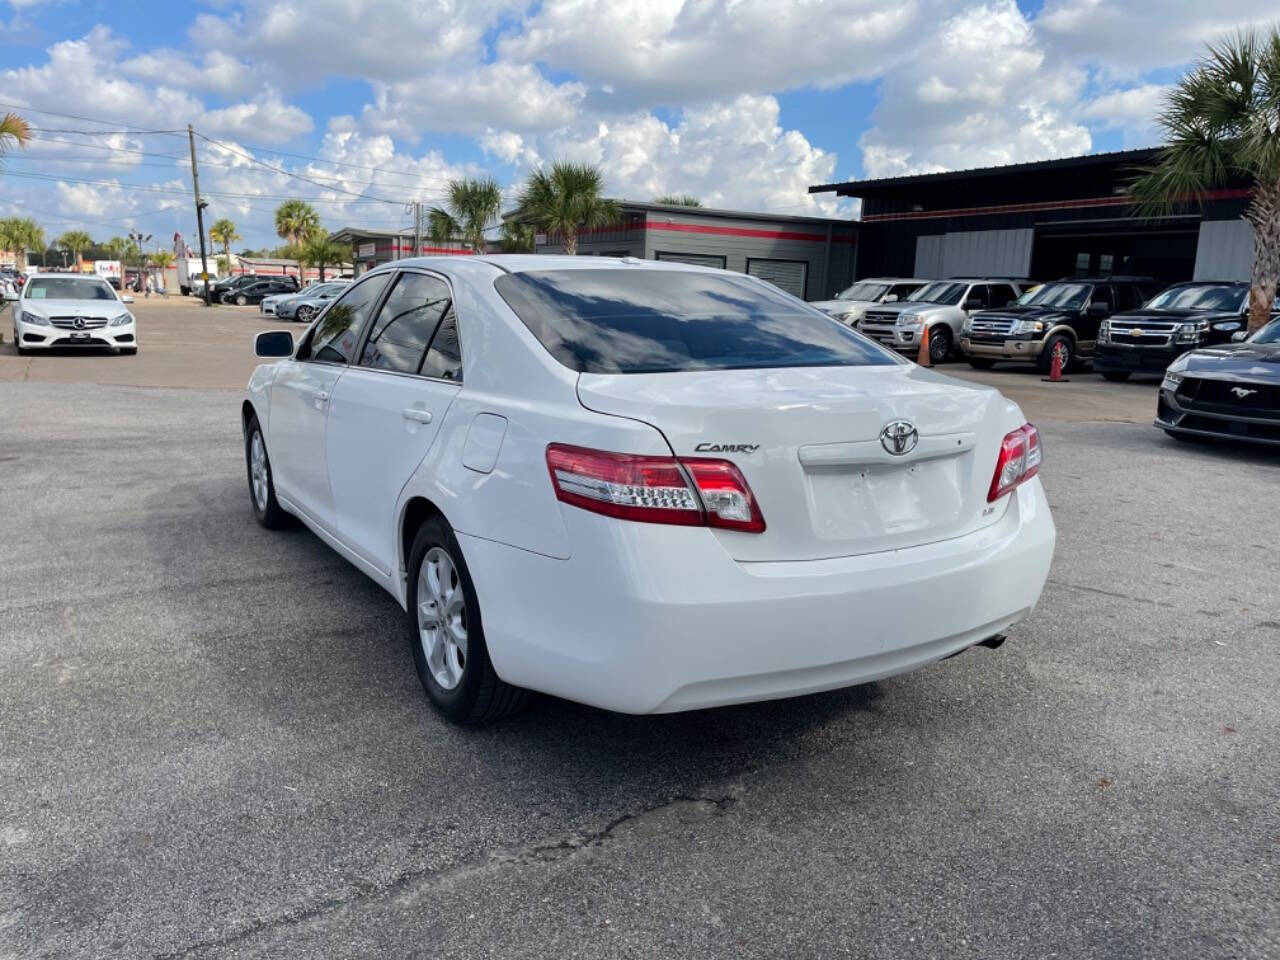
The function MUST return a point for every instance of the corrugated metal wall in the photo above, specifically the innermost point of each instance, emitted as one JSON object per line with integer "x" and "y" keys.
{"x": 1224, "y": 251}
{"x": 974, "y": 253}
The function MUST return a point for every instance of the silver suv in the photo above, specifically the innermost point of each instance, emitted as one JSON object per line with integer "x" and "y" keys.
{"x": 850, "y": 304}
{"x": 942, "y": 306}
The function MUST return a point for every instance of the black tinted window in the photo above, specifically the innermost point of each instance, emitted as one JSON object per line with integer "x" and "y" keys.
{"x": 334, "y": 338}
{"x": 1102, "y": 294}
{"x": 977, "y": 292}
{"x": 444, "y": 359}
{"x": 658, "y": 321}
{"x": 406, "y": 323}
{"x": 1128, "y": 297}
{"x": 1002, "y": 295}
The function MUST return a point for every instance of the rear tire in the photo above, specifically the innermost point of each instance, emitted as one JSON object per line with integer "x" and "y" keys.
{"x": 304, "y": 313}
{"x": 1058, "y": 342}
{"x": 446, "y": 633}
{"x": 262, "y": 488}
{"x": 1115, "y": 376}
{"x": 940, "y": 339}
{"x": 241, "y": 300}
{"x": 981, "y": 363}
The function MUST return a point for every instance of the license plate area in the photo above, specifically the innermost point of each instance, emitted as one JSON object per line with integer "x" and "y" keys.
{"x": 875, "y": 501}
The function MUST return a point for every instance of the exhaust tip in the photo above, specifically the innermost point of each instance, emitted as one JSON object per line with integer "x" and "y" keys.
{"x": 993, "y": 642}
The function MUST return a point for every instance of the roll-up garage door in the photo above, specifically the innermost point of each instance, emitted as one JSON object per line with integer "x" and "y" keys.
{"x": 697, "y": 259}
{"x": 790, "y": 275}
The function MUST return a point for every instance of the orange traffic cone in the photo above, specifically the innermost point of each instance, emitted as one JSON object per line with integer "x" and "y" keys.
{"x": 923, "y": 358}
{"x": 1055, "y": 368}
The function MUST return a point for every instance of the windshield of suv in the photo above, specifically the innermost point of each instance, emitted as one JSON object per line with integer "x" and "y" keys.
{"x": 863, "y": 291}
{"x": 941, "y": 292}
{"x": 1222, "y": 298}
{"x": 665, "y": 321}
{"x": 68, "y": 288}
{"x": 1056, "y": 295}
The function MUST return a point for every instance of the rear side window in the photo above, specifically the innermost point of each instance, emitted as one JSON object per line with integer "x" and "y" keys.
{"x": 664, "y": 321}
{"x": 406, "y": 323}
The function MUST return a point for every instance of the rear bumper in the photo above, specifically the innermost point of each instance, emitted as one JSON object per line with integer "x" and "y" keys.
{"x": 1006, "y": 350}
{"x": 652, "y": 619}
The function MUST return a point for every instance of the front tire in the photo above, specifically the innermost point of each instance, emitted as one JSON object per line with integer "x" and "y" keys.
{"x": 241, "y": 300}
{"x": 940, "y": 339}
{"x": 304, "y": 314}
{"x": 262, "y": 488}
{"x": 981, "y": 363}
{"x": 1060, "y": 344}
{"x": 1115, "y": 376}
{"x": 446, "y": 634}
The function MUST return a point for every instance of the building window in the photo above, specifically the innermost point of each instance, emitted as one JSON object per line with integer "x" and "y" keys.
{"x": 1105, "y": 263}
{"x": 697, "y": 259}
{"x": 1082, "y": 264}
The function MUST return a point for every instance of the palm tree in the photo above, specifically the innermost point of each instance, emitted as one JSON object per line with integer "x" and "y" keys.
{"x": 320, "y": 251}
{"x": 21, "y": 234}
{"x": 1220, "y": 123}
{"x": 565, "y": 200}
{"x": 14, "y": 131}
{"x": 74, "y": 242}
{"x": 472, "y": 205}
{"x": 517, "y": 237}
{"x": 295, "y": 221}
{"x": 678, "y": 200}
{"x": 224, "y": 232}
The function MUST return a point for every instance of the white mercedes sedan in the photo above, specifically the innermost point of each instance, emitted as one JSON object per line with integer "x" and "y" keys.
{"x": 643, "y": 485}
{"x": 71, "y": 310}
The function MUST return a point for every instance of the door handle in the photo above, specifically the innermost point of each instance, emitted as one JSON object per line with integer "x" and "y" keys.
{"x": 322, "y": 395}
{"x": 416, "y": 414}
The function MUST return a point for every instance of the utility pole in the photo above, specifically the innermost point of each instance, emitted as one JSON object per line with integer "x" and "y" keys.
{"x": 417, "y": 227}
{"x": 200, "y": 205}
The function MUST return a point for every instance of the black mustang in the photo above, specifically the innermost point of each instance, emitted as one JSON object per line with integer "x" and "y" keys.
{"x": 1230, "y": 391}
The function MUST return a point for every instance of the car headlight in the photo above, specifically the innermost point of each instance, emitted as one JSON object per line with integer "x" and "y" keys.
{"x": 907, "y": 320}
{"x": 1104, "y": 332}
{"x": 967, "y": 326}
{"x": 1028, "y": 326}
{"x": 848, "y": 317}
{"x": 34, "y": 319}
{"x": 1171, "y": 381}
{"x": 122, "y": 319}
{"x": 1192, "y": 332}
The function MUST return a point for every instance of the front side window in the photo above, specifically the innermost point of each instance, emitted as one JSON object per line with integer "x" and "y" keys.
{"x": 978, "y": 292}
{"x": 1002, "y": 295}
{"x": 406, "y": 324}
{"x": 333, "y": 338}
{"x": 67, "y": 288}
{"x": 663, "y": 321}
{"x": 1101, "y": 295}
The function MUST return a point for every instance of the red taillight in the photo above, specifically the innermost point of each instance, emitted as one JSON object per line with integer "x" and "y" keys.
{"x": 693, "y": 492}
{"x": 1018, "y": 462}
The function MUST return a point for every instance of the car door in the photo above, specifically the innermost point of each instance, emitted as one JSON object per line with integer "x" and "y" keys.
{"x": 301, "y": 394}
{"x": 387, "y": 410}
{"x": 1102, "y": 303}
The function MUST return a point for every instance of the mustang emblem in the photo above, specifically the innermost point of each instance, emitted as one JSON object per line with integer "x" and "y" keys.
{"x": 899, "y": 438}
{"x": 1242, "y": 392}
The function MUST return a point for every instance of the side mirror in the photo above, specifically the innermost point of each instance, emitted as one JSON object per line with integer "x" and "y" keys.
{"x": 126, "y": 299}
{"x": 273, "y": 344}
{"x": 1099, "y": 309}
{"x": 1239, "y": 336}
{"x": 891, "y": 298}
{"x": 973, "y": 303}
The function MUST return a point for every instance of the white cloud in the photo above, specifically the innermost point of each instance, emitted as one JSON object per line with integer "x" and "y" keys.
{"x": 1134, "y": 109}
{"x": 676, "y": 52}
{"x": 978, "y": 91}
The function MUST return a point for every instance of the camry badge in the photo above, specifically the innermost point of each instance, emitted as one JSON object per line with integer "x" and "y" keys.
{"x": 1241, "y": 392}
{"x": 899, "y": 438}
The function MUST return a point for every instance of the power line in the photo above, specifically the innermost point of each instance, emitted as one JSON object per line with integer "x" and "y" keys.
{"x": 72, "y": 116}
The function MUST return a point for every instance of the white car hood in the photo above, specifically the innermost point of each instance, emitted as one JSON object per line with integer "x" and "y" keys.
{"x": 74, "y": 308}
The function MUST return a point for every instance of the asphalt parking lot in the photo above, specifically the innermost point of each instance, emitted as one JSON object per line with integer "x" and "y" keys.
{"x": 213, "y": 743}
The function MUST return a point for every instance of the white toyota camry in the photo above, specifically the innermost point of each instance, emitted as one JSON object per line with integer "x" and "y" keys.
{"x": 645, "y": 486}
{"x": 67, "y": 310}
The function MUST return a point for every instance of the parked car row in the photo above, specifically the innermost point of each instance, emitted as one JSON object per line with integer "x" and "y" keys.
{"x": 302, "y": 305}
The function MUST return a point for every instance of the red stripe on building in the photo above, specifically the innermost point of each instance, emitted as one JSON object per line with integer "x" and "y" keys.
{"x": 1034, "y": 207}
{"x": 744, "y": 232}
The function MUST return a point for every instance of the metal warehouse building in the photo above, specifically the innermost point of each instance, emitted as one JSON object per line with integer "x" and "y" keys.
{"x": 1045, "y": 220}
{"x": 810, "y": 257}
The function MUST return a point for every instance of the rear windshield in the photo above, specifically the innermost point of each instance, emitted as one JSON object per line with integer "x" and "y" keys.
{"x": 664, "y": 321}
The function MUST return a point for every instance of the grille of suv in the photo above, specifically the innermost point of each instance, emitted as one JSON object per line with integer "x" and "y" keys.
{"x": 1143, "y": 333}
{"x": 993, "y": 327}
{"x": 69, "y": 323}
{"x": 878, "y": 325}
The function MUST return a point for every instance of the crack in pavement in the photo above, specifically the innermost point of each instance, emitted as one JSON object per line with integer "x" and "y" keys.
{"x": 684, "y": 808}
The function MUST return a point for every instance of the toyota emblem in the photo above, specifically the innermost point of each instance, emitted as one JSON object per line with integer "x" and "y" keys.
{"x": 899, "y": 438}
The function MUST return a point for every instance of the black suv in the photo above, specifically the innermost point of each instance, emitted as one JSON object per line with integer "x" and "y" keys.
{"x": 1061, "y": 317}
{"x": 1186, "y": 316}
{"x": 254, "y": 292}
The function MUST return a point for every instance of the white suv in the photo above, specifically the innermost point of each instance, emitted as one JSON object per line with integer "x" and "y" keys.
{"x": 942, "y": 306}
{"x": 72, "y": 310}
{"x": 850, "y": 304}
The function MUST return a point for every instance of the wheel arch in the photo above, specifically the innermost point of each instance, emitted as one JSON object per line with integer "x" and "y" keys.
{"x": 416, "y": 511}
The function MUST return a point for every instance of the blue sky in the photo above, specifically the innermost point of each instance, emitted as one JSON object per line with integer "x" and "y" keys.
{"x": 743, "y": 103}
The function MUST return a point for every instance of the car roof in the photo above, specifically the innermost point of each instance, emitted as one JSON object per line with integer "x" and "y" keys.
{"x": 51, "y": 275}
{"x": 527, "y": 262}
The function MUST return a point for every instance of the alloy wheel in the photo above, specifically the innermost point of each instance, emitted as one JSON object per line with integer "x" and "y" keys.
{"x": 258, "y": 470}
{"x": 304, "y": 313}
{"x": 442, "y": 618}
